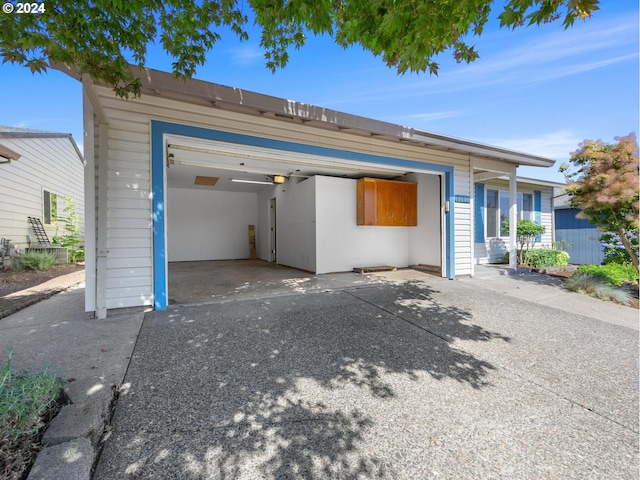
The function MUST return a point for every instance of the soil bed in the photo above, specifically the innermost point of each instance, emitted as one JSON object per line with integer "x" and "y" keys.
{"x": 12, "y": 282}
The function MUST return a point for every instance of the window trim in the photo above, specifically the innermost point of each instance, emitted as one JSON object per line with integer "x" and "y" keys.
{"x": 520, "y": 211}
{"x": 47, "y": 212}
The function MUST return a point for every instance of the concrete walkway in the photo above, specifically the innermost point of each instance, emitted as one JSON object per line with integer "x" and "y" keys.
{"x": 400, "y": 375}
{"x": 91, "y": 356}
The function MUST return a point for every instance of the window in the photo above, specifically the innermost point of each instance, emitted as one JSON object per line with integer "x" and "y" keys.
{"x": 498, "y": 211}
{"x": 525, "y": 206}
{"x": 50, "y": 210}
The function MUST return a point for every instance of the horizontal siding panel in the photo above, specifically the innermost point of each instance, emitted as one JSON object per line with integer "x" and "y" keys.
{"x": 127, "y": 164}
{"x": 129, "y": 282}
{"x": 130, "y": 233}
{"x": 118, "y": 253}
{"x": 128, "y": 135}
{"x": 129, "y": 213}
{"x": 132, "y": 203}
{"x": 130, "y": 157}
{"x": 128, "y": 262}
{"x": 130, "y": 174}
{"x": 128, "y": 223}
{"x": 141, "y": 272}
{"x": 125, "y": 146}
{"x": 124, "y": 192}
{"x": 126, "y": 302}
{"x": 128, "y": 242}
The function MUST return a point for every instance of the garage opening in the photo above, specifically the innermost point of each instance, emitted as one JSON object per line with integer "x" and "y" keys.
{"x": 302, "y": 208}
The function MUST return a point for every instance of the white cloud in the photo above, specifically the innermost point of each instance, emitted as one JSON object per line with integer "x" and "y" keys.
{"x": 246, "y": 55}
{"x": 546, "y": 56}
{"x": 434, "y": 115}
{"x": 555, "y": 145}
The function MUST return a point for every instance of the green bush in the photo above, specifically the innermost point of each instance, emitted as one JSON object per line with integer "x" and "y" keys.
{"x": 76, "y": 256}
{"x": 33, "y": 261}
{"x": 543, "y": 257}
{"x": 612, "y": 273}
{"x": 595, "y": 286}
{"x": 27, "y": 403}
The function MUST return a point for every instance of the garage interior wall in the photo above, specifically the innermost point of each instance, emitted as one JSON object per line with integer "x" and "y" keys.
{"x": 317, "y": 229}
{"x": 342, "y": 244}
{"x": 295, "y": 220}
{"x": 209, "y": 225}
{"x": 425, "y": 241}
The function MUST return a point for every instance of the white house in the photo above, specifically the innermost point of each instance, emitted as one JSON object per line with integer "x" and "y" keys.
{"x": 168, "y": 183}
{"x": 39, "y": 170}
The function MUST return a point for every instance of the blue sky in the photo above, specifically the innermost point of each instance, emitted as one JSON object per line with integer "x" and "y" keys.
{"x": 540, "y": 90}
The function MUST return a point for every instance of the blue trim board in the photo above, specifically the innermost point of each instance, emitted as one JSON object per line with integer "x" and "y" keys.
{"x": 160, "y": 128}
{"x": 160, "y": 279}
{"x": 479, "y": 213}
{"x": 537, "y": 208}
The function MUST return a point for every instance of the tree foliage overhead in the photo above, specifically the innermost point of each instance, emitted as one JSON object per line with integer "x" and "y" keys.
{"x": 605, "y": 185}
{"x": 102, "y": 37}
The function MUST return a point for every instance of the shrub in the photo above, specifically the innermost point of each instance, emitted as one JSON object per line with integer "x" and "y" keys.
{"x": 33, "y": 261}
{"x": 27, "y": 403}
{"x": 76, "y": 256}
{"x": 544, "y": 257}
{"x": 596, "y": 287}
{"x": 527, "y": 233}
{"x": 611, "y": 273}
{"x": 614, "y": 251}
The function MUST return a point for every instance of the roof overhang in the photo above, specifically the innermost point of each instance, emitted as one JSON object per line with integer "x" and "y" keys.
{"x": 19, "y": 134}
{"x": 542, "y": 183}
{"x": 198, "y": 92}
{"x": 6, "y": 154}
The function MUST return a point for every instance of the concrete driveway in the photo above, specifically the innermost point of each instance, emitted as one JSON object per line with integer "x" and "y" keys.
{"x": 412, "y": 380}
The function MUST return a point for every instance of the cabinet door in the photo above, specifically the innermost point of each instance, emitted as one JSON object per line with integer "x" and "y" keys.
{"x": 410, "y": 205}
{"x": 390, "y": 203}
{"x": 366, "y": 201}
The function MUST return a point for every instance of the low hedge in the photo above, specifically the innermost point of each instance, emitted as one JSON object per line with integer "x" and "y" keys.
{"x": 544, "y": 257}
{"x": 612, "y": 273}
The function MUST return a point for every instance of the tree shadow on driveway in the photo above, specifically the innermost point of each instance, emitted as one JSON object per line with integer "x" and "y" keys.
{"x": 300, "y": 386}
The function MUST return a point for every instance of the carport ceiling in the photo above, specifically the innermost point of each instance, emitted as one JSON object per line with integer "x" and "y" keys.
{"x": 188, "y": 158}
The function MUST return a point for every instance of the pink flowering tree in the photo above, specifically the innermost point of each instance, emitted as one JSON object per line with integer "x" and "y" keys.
{"x": 603, "y": 181}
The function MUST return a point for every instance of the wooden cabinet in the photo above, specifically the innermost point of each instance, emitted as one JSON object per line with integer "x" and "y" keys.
{"x": 387, "y": 202}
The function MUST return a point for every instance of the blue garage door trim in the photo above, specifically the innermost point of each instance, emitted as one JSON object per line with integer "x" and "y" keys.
{"x": 160, "y": 128}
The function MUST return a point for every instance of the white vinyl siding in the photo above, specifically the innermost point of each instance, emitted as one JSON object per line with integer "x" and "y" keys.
{"x": 47, "y": 164}
{"x": 129, "y": 185}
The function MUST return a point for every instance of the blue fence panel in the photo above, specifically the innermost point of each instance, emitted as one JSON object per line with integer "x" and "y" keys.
{"x": 580, "y": 238}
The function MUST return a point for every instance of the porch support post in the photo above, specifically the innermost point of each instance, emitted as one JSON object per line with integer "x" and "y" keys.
{"x": 513, "y": 219}
{"x": 101, "y": 260}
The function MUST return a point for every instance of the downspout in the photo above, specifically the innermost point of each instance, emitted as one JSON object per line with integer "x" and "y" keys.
{"x": 101, "y": 206}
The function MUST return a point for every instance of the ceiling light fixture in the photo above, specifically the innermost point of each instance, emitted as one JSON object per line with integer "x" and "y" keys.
{"x": 279, "y": 179}
{"x": 259, "y": 182}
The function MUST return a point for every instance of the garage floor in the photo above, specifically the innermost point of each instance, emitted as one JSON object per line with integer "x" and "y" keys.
{"x": 206, "y": 281}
